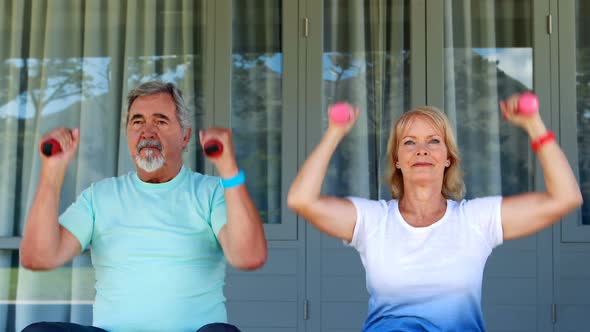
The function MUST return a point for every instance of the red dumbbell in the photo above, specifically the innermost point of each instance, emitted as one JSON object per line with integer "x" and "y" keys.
{"x": 50, "y": 147}
{"x": 213, "y": 148}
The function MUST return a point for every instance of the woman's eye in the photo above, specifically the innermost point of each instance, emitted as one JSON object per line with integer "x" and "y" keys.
{"x": 435, "y": 141}
{"x": 408, "y": 142}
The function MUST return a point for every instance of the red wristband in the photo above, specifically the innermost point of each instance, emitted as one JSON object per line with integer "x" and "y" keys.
{"x": 547, "y": 137}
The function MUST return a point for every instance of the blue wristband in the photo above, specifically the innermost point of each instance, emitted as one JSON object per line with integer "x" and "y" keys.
{"x": 235, "y": 181}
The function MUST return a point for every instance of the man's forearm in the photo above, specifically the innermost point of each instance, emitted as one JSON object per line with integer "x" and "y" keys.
{"x": 246, "y": 241}
{"x": 42, "y": 235}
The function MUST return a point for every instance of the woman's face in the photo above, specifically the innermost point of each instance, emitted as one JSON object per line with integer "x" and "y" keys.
{"x": 422, "y": 152}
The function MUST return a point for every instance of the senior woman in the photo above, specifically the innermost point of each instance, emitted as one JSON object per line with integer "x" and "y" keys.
{"x": 424, "y": 251}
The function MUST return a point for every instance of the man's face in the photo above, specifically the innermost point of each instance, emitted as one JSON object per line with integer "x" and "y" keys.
{"x": 154, "y": 135}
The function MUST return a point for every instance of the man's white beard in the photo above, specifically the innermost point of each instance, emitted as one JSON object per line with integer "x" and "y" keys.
{"x": 150, "y": 163}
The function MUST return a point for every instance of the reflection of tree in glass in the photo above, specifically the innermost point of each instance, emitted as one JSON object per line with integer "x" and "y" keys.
{"x": 256, "y": 122}
{"x": 49, "y": 80}
{"x": 41, "y": 96}
{"x": 583, "y": 123}
{"x": 495, "y": 154}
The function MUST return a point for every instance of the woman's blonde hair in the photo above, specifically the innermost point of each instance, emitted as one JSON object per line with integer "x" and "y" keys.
{"x": 453, "y": 186}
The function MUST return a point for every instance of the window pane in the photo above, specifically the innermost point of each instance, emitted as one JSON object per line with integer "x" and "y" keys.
{"x": 64, "y": 294}
{"x": 74, "y": 70}
{"x": 71, "y": 64}
{"x": 488, "y": 57}
{"x": 366, "y": 62}
{"x": 583, "y": 103}
{"x": 257, "y": 100}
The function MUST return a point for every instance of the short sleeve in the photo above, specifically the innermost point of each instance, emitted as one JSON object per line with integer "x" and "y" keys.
{"x": 485, "y": 214}
{"x": 79, "y": 218}
{"x": 369, "y": 215}
{"x": 218, "y": 208}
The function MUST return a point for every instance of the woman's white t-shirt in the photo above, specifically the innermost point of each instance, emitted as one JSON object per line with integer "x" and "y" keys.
{"x": 426, "y": 278}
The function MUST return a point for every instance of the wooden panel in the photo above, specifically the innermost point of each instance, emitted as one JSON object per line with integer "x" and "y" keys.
{"x": 266, "y": 299}
{"x": 510, "y": 318}
{"x": 343, "y": 315}
{"x": 267, "y": 314}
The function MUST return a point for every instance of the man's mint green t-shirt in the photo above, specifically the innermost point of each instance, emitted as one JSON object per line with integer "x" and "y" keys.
{"x": 159, "y": 266}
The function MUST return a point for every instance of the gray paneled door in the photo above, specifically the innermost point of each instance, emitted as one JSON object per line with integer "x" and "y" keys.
{"x": 491, "y": 50}
{"x": 572, "y": 237}
{"x": 386, "y": 57}
{"x": 257, "y": 74}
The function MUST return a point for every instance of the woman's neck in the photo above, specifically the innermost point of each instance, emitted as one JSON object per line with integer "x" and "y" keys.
{"x": 422, "y": 207}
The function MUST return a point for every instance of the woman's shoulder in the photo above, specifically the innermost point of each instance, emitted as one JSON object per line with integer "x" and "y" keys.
{"x": 477, "y": 202}
{"x": 372, "y": 202}
{"x": 373, "y": 206}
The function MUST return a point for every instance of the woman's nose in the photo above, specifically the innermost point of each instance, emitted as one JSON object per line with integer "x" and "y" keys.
{"x": 422, "y": 151}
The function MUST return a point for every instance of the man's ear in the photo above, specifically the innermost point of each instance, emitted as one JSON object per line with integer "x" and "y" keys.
{"x": 187, "y": 137}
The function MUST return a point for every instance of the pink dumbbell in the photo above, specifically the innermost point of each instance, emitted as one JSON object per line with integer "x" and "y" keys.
{"x": 528, "y": 103}
{"x": 340, "y": 113}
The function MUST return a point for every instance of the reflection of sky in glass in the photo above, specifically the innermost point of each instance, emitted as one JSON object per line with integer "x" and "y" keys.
{"x": 515, "y": 62}
{"x": 60, "y": 88}
{"x": 274, "y": 61}
{"x": 331, "y": 71}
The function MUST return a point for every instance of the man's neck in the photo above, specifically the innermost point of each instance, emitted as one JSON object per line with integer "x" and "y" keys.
{"x": 164, "y": 174}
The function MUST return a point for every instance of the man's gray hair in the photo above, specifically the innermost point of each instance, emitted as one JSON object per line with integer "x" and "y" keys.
{"x": 155, "y": 87}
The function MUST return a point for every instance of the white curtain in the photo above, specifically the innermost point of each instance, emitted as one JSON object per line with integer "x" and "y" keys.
{"x": 583, "y": 103}
{"x": 366, "y": 63}
{"x": 488, "y": 57}
{"x": 257, "y": 99}
{"x": 71, "y": 63}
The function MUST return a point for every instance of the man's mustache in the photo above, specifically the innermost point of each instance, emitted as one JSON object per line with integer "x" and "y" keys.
{"x": 149, "y": 143}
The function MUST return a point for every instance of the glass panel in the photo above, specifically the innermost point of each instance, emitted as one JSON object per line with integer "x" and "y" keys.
{"x": 488, "y": 57}
{"x": 63, "y": 294}
{"x": 257, "y": 100}
{"x": 79, "y": 78}
{"x": 366, "y": 62}
{"x": 583, "y": 103}
{"x": 71, "y": 64}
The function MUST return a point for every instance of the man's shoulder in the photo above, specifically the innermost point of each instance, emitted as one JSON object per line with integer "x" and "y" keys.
{"x": 203, "y": 179}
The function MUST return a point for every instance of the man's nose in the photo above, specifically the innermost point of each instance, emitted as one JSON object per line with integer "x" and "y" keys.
{"x": 149, "y": 130}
